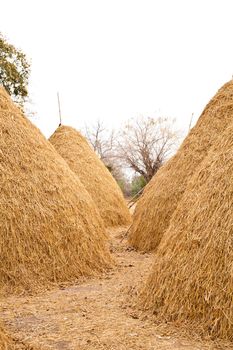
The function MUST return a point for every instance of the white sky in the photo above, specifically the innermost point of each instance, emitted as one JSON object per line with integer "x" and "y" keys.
{"x": 116, "y": 59}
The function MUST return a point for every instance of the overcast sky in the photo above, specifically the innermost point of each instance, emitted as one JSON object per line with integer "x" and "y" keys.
{"x": 116, "y": 59}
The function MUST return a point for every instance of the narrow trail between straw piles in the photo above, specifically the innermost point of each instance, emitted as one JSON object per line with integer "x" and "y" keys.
{"x": 94, "y": 314}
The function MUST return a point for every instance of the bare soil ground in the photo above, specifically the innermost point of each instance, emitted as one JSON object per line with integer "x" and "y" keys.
{"x": 95, "y": 314}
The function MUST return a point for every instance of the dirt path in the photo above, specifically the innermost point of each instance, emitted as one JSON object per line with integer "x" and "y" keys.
{"x": 93, "y": 315}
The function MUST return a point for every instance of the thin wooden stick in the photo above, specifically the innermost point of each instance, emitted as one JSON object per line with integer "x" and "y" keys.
{"x": 132, "y": 199}
{"x": 126, "y": 233}
{"x": 191, "y": 119}
{"x": 59, "y": 107}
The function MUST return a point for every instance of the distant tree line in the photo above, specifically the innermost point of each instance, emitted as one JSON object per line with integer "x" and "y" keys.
{"x": 141, "y": 146}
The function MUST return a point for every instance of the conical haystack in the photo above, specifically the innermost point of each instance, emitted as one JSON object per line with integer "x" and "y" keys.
{"x": 154, "y": 210}
{"x": 94, "y": 175}
{"x": 192, "y": 278}
{"x": 50, "y": 229}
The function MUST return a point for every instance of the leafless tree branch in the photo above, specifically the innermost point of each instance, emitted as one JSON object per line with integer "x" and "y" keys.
{"x": 145, "y": 143}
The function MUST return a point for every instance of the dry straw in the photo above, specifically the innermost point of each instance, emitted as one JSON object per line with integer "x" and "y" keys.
{"x": 154, "y": 210}
{"x": 51, "y": 231}
{"x": 9, "y": 343}
{"x": 6, "y": 343}
{"x": 94, "y": 175}
{"x": 192, "y": 278}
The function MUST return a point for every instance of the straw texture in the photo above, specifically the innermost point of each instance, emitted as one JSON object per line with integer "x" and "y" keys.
{"x": 5, "y": 342}
{"x": 161, "y": 196}
{"x": 192, "y": 277}
{"x": 8, "y": 343}
{"x": 51, "y": 231}
{"x": 94, "y": 175}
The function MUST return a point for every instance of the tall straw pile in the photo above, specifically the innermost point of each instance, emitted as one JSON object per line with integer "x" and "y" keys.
{"x": 50, "y": 228}
{"x": 192, "y": 278}
{"x": 154, "y": 210}
{"x": 96, "y": 178}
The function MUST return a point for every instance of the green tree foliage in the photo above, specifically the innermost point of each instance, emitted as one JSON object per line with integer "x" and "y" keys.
{"x": 137, "y": 184}
{"x": 14, "y": 71}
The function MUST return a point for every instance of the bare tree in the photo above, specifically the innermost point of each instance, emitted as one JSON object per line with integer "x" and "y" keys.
{"x": 145, "y": 143}
{"x": 102, "y": 140}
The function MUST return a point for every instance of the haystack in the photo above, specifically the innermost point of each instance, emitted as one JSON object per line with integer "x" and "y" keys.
{"x": 8, "y": 343}
{"x": 94, "y": 175}
{"x": 192, "y": 278}
{"x": 50, "y": 229}
{"x": 154, "y": 210}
